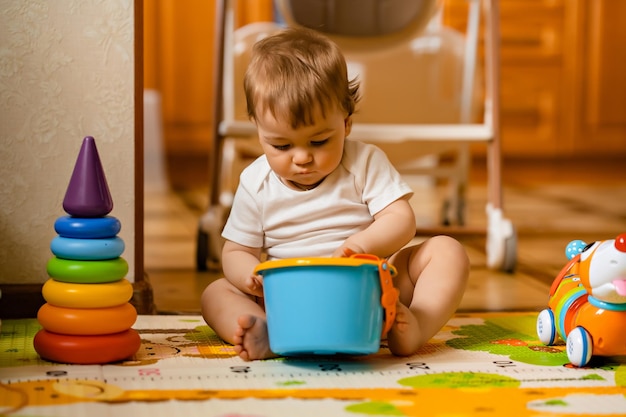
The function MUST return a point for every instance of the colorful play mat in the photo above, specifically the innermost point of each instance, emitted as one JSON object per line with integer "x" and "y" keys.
{"x": 478, "y": 365}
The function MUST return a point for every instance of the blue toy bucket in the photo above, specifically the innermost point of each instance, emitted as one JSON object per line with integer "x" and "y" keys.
{"x": 328, "y": 306}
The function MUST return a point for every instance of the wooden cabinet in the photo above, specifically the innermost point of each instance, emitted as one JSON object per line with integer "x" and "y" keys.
{"x": 563, "y": 66}
{"x": 599, "y": 74}
{"x": 179, "y": 43}
{"x": 563, "y": 88}
{"x": 531, "y": 43}
{"x": 179, "y": 39}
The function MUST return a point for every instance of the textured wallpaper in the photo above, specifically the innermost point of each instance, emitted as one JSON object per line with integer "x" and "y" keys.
{"x": 66, "y": 72}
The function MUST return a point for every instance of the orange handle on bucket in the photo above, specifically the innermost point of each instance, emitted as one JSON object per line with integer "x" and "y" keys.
{"x": 390, "y": 294}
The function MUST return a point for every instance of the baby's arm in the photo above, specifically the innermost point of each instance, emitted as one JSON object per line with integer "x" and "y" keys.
{"x": 393, "y": 227}
{"x": 238, "y": 262}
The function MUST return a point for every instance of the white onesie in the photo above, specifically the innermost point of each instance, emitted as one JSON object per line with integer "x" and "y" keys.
{"x": 288, "y": 223}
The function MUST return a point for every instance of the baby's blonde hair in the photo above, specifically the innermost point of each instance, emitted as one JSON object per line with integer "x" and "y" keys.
{"x": 295, "y": 72}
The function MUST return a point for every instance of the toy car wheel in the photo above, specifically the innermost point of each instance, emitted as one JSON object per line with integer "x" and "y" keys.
{"x": 546, "y": 329}
{"x": 579, "y": 347}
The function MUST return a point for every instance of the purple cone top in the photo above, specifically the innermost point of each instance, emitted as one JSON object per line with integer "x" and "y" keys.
{"x": 88, "y": 193}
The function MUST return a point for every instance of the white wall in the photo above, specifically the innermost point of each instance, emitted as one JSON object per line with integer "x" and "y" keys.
{"x": 66, "y": 71}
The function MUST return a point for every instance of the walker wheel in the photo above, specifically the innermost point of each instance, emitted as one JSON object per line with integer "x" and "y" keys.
{"x": 501, "y": 242}
{"x": 209, "y": 239}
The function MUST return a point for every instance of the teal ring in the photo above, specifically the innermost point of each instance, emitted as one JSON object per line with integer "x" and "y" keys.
{"x": 87, "y": 272}
{"x": 87, "y": 249}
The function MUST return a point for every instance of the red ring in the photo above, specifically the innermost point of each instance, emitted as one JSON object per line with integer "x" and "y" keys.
{"x": 87, "y": 350}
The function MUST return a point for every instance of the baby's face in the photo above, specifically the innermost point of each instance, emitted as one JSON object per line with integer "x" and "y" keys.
{"x": 304, "y": 156}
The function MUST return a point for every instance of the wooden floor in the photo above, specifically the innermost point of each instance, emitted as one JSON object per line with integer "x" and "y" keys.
{"x": 549, "y": 203}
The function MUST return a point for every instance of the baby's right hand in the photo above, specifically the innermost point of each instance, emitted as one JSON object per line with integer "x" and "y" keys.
{"x": 345, "y": 251}
{"x": 254, "y": 284}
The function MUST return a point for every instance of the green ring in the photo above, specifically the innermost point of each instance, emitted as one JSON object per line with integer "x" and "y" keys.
{"x": 87, "y": 272}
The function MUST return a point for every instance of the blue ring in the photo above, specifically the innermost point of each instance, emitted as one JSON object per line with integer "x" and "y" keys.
{"x": 87, "y": 249}
{"x": 87, "y": 228}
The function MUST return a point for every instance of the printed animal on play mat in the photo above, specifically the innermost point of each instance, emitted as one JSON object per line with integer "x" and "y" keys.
{"x": 158, "y": 344}
{"x": 587, "y": 303}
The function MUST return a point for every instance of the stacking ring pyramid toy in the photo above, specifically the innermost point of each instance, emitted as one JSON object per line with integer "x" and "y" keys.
{"x": 87, "y": 317}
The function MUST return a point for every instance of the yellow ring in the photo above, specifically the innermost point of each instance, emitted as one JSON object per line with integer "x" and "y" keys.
{"x": 87, "y": 321}
{"x": 65, "y": 294}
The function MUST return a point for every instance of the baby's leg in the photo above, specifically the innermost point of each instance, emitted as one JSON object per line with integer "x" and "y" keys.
{"x": 431, "y": 278}
{"x": 236, "y": 318}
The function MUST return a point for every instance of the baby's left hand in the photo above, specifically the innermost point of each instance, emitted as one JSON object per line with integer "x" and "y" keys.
{"x": 255, "y": 285}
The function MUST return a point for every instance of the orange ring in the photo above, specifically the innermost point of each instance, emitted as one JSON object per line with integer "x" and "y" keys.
{"x": 87, "y": 350}
{"x": 87, "y": 321}
{"x": 67, "y": 294}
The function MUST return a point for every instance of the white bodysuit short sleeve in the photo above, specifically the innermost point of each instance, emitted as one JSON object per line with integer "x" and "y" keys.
{"x": 288, "y": 223}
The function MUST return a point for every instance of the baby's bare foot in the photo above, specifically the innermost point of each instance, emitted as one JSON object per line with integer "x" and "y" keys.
{"x": 404, "y": 336}
{"x": 251, "y": 339}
